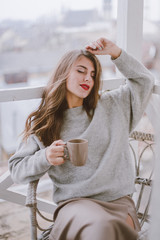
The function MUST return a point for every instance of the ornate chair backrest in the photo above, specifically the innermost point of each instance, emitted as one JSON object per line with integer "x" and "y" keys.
{"x": 142, "y": 150}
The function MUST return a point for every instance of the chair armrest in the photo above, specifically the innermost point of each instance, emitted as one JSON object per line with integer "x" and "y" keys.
{"x": 35, "y": 204}
{"x": 31, "y": 199}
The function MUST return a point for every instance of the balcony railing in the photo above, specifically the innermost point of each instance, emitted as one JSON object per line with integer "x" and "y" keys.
{"x": 26, "y": 93}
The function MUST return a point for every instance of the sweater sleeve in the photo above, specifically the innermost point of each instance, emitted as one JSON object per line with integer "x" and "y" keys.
{"x": 134, "y": 95}
{"x": 29, "y": 162}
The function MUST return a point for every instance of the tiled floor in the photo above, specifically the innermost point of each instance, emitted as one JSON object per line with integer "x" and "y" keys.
{"x": 15, "y": 220}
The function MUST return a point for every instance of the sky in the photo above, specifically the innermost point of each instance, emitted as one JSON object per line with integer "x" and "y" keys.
{"x": 33, "y": 9}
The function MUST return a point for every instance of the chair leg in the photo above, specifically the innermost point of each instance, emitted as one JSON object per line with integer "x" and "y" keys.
{"x": 33, "y": 223}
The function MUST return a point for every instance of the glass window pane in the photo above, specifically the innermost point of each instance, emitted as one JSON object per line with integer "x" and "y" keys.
{"x": 12, "y": 121}
{"x": 34, "y": 35}
{"x": 151, "y": 37}
{"x": 150, "y": 51}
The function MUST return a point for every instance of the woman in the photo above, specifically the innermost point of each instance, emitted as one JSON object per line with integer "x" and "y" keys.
{"x": 93, "y": 200}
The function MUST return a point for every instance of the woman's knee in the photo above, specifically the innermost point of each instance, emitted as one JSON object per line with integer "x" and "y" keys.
{"x": 84, "y": 211}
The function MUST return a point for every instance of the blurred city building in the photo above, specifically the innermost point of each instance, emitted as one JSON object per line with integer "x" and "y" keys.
{"x": 20, "y": 77}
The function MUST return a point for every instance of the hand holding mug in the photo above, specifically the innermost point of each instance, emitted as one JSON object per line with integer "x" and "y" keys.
{"x": 55, "y": 153}
{"x": 75, "y": 150}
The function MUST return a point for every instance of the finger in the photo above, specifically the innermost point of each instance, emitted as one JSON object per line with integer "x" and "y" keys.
{"x": 58, "y": 148}
{"x": 100, "y": 44}
{"x": 91, "y": 46}
{"x": 58, "y": 161}
{"x": 96, "y": 45}
{"x": 54, "y": 153}
{"x": 95, "y": 52}
{"x": 58, "y": 142}
{"x": 59, "y": 154}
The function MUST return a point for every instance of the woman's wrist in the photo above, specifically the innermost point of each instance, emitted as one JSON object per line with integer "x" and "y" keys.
{"x": 116, "y": 52}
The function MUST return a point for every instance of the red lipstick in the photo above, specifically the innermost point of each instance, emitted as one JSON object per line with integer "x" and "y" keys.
{"x": 85, "y": 86}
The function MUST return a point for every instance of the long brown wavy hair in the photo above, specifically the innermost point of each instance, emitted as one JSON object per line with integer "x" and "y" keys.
{"x": 46, "y": 121}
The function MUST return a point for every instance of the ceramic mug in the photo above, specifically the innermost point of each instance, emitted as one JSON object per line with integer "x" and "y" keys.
{"x": 76, "y": 150}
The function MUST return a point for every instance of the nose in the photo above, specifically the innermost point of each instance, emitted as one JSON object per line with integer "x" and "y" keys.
{"x": 87, "y": 77}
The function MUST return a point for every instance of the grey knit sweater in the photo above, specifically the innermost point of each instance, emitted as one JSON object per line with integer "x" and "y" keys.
{"x": 109, "y": 172}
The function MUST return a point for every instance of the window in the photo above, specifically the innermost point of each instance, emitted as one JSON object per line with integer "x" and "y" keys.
{"x": 151, "y": 33}
{"x": 34, "y": 35}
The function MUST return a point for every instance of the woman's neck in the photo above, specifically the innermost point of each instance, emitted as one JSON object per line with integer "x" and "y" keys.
{"x": 76, "y": 102}
{"x": 74, "y": 105}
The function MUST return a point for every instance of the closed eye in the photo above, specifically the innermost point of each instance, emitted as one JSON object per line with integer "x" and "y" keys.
{"x": 80, "y": 71}
{"x": 83, "y": 70}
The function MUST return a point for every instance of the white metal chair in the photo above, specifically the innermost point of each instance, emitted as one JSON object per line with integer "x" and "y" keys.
{"x": 141, "y": 197}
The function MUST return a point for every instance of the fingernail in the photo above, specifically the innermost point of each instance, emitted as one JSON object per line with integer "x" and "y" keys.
{"x": 100, "y": 48}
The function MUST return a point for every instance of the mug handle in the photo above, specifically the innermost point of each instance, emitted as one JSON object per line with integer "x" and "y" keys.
{"x": 66, "y": 153}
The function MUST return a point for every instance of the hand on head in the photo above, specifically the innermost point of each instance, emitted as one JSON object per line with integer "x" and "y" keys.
{"x": 103, "y": 46}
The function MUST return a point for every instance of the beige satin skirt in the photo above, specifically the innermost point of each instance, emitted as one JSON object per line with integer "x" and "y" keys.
{"x": 90, "y": 219}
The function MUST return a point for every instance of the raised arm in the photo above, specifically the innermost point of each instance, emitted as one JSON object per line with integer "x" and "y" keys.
{"x": 134, "y": 96}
